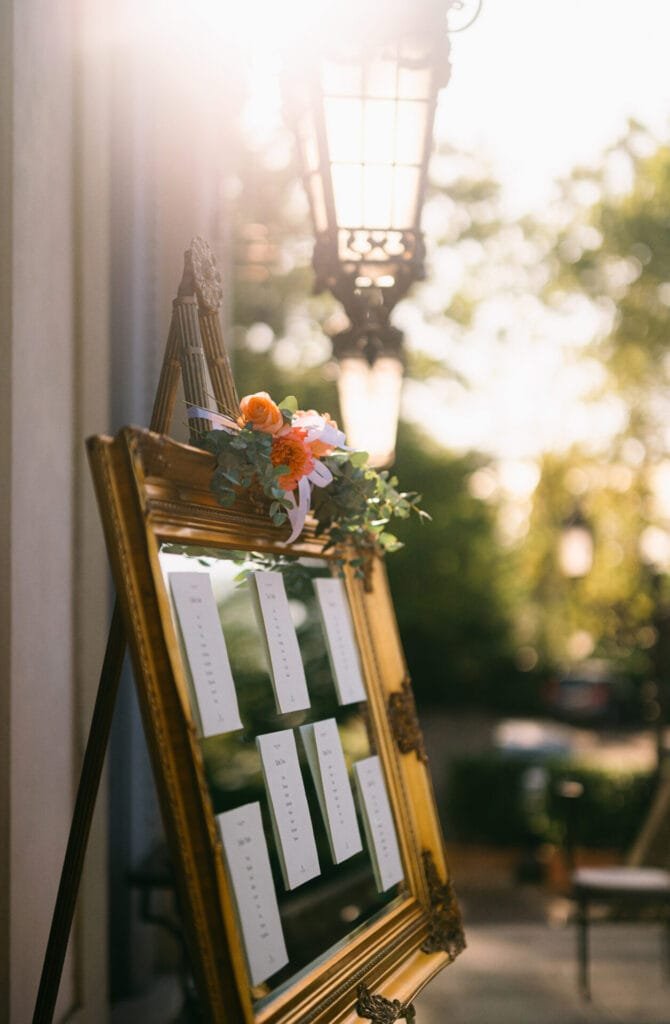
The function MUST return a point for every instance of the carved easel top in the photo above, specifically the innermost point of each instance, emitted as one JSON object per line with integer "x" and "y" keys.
{"x": 196, "y": 349}
{"x": 201, "y": 275}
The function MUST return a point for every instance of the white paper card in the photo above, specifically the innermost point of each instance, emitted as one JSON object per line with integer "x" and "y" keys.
{"x": 288, "y": 807}
{"x": 342, "y": 649}
{"x": 378, "y": 821}
{"x": 331, "y": 781}
{"x": 286, "y": 669}
{"x": 206, "y": 652}
{"x": 248, "y": 864}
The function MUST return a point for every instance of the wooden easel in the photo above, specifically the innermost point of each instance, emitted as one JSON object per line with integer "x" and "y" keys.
{"x": 195, "y": 350}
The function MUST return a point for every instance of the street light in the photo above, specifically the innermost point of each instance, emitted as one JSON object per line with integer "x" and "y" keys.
{"x": 364, "y": 127}
{"x": 575, "y": 550}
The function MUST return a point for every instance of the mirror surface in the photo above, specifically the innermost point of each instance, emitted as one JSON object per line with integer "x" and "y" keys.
{"x": 328, "y": 910}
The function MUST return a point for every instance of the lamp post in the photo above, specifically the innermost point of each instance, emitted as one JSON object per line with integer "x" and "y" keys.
{"x": 364, "y": 125}
{"x": 575, "y": 550}
{"x": 654, "y": 551}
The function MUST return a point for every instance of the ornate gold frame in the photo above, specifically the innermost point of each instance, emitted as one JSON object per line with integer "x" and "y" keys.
{"x": 152, "y": 490}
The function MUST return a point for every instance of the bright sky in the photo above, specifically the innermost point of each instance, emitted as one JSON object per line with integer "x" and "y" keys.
{"x": 538, "y": 87}
{"x": 542, "y": 85}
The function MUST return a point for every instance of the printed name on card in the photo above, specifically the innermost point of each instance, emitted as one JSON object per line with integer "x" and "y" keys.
{"x": 289, "y": 809}
{"x": 329, "y": 770}
{"x": 341, "y": 640}
{"x": 285, "y": 661}
{"x": 206, "y": 653}
{"x": 378, "y": 822}
{"x": 248, "y": 865}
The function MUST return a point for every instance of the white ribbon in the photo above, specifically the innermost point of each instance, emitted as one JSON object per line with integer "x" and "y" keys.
{"x": 218, "y": 421}
{"x": 298, "y": 512}
{"x": 318, "y": 429}
{"x": 320, "y": 476}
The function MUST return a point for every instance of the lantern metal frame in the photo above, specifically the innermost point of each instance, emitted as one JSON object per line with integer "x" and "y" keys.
{"x": 369, "y": 267}
{"x": 345, "y": 253}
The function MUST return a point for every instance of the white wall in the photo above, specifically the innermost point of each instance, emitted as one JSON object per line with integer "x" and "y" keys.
{"x": 54, "y": 602}
{"x": 112, "y": 157}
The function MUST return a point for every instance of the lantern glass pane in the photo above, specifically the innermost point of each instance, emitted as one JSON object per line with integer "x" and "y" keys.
{"x": 378, "y": 196}
{"x": 340, "y": 79}
{"x": 370, "y": 401}
{"x": 407, "y": 183}
{"x": 414, "y": 83}
{"x": 575, "y": 553}
{"x": 344, "y": 129}
{"x": 379, "y": 131}
{"x": 348, "y": 193}
{"x": 410, "y": 131}
{"x": 310, "y": 150}
{"x": 319, "y": 210}
{"x": 381, "y": 79}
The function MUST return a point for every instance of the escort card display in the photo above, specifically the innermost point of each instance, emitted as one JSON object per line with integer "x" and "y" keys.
{"x": 378, "y": 822}
{"x": 331, "y": 781}
{"x": 289, "y": 809}
{"x": 248, "y": 863}
{"x": 206, "y": 653}
{"x": 341, "y": 641}
{"x": 284, "y": 660}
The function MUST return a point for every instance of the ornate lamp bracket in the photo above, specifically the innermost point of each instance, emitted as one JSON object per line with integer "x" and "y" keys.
{"x": 405, "y": 722}
{"x": 445, "y": 923}
{"x": 382, "y": 1011}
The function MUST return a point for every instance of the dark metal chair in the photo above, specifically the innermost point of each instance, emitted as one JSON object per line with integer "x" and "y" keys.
{"x": 637, "y": 890}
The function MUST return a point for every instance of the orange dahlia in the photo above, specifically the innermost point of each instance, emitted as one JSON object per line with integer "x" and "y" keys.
{"x": 291, "y": 449}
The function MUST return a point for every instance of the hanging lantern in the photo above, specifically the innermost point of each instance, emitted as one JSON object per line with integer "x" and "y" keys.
{"x": 364, "y": 124}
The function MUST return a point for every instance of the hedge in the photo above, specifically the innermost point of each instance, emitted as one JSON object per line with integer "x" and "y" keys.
{"x": 513, "y": 800}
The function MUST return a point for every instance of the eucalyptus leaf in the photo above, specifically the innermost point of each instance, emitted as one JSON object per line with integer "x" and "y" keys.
{"x": 358, "y": 459}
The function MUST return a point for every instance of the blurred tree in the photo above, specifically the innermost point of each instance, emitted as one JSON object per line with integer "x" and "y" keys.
{"x": 451, "y": 586}
{"x": 615, "y": 248}
{"x": 607, "y": 613}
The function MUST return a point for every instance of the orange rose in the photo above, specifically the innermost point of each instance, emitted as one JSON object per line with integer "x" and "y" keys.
{"x": 291, "y": 449}
{"x": 261, "y": 412}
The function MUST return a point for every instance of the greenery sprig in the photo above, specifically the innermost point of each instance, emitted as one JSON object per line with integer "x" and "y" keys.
{"x": 352, "y": 511}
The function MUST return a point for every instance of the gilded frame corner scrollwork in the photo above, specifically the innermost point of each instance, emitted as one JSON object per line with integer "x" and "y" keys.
{"x": 379, "y": 1010}
{"x": 405, "y": 721}
{"x": 445, "y": 929}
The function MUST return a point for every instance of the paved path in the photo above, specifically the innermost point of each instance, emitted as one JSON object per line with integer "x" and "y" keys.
{"x": 521, "y": 973}
{"x": 519, "y": 968}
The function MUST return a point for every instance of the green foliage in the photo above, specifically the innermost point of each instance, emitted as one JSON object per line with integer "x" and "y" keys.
{"x": 352, "y": 511}
{"x": 360, "y": 503}
{"x": 613, "y": 603}
{"x": 243, "y": 459}
{"x": 617, "y": 252}
{"x": 487, "y": 802}
{"x": 452, "y": 588}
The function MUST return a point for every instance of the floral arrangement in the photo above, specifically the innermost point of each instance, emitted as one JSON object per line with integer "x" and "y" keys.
{"x": 299, "y": 460}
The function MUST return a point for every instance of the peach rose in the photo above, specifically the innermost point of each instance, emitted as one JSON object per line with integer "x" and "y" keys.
{"x": 319, "y": 448}
{"x": 261, "y": 412}
{"x": 291, "y": 449}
